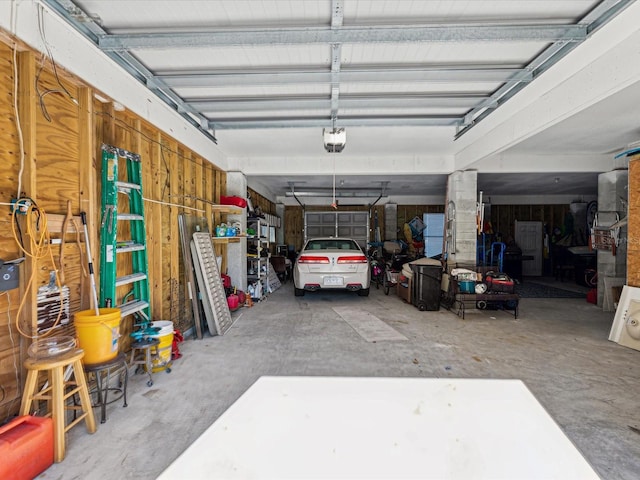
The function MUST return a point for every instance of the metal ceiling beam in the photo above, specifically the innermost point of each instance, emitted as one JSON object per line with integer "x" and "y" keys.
{"x": 327, "y": 35}
{"x": 360, "y": 101}
{"x": 325, "y": 122}
{"x": 368, "y": 193}
{"x": 372, "y": 76}
{"x": 598, "y": 16}
{"x": 337, "y": 17}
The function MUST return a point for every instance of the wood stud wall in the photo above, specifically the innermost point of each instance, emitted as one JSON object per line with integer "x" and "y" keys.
{"x": 503, "y": 217}
{"x": 633, "y": 227}
{"x": 62, "y": 162}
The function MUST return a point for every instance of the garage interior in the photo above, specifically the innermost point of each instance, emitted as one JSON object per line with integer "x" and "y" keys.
{"x": 516, "y": 113}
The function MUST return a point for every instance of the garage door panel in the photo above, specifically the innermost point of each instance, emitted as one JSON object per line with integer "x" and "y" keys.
{"x": 313, "y": 218}
{"x": 314, "y": 231}
{"x": 349, "y": 224}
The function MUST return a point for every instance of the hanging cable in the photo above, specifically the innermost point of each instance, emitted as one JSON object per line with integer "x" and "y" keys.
{"x": 39, "y": 249}
{"x": 334, "y": 204}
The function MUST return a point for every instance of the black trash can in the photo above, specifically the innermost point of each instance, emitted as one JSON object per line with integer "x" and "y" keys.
{"x": 426, "y": 282}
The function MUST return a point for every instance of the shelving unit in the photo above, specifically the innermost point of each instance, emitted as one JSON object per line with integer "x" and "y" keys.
{"x": 220, "y": 213}
{"x": 257, "y": 265}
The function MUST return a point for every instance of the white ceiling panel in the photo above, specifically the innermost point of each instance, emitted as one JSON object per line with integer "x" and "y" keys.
{"x": 205, "y": 59}
{"x": 152, "y": 15}
{"x": 463, "y": 53}
{"x": 252, "y": 91}
{"x": 500, "y": 11}
{"x": 421, "y": 87}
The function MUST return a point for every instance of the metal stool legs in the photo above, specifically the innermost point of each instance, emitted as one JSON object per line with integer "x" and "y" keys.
{"x": 102, "y": 372}
{"x": 143, "y": 353}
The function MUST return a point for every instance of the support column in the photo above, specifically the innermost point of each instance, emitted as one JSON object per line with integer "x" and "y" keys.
{"x": 612, "y": 198}
{"x": 237, "y": 252}
{"x": 390, "y": 221}
{"x": 280, "y": 231}
{"x": 462, "y": 189}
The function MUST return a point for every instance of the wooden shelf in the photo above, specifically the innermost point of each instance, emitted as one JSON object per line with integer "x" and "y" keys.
{"x": 229, "y": 209}
{"x": 226, "y": 239}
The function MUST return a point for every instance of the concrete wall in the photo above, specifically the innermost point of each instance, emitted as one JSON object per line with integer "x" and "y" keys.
{"x": 612, "y": 198}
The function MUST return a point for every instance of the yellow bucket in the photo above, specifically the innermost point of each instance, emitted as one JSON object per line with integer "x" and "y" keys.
{"x": 98, "y": 335}
{"x": 165, "y": 335}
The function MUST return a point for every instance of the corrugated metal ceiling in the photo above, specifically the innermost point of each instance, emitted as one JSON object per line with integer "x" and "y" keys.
{"x": 333, "y": 62}
{"x": 263, "y": 65}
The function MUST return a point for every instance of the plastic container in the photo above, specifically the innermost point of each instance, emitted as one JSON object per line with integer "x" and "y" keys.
{"x": 98, "y": 335}
{"x": 426, "y": 286}
{"x": 165, "y": 335}
{"x": 233, "y": 301}
{"x": 466, "y": 286}
{"x": 26, "y": 447}
{"x": 51, "y": 346}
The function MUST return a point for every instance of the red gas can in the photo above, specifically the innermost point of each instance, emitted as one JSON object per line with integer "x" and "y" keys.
{"x": 26, "y": 447}
{"x": 233, "y": 301}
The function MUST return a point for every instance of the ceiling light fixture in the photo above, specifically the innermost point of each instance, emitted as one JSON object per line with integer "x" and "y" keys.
{"x": 334, "y": 139}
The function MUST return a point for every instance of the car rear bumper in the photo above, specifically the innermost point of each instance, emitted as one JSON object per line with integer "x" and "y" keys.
{"x": 313, "y": 287}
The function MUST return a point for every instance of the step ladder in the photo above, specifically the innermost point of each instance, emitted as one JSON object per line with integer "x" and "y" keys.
{"x": 113, "y": 247}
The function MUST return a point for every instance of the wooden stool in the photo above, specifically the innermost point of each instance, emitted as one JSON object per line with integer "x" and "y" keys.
{"x": 102, "y": 373}
{"x": 56, "y": 394}
{"x": 143, "y": 352}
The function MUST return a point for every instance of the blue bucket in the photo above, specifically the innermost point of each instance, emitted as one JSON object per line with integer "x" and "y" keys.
{"x": 467, "y": 286}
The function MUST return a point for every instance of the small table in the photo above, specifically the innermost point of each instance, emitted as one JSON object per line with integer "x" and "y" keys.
{"x": 384, "y": 428}
{"x": 500, "y": 301}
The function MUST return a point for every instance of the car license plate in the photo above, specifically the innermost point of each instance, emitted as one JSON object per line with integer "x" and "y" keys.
{"x": 333, "y": 281}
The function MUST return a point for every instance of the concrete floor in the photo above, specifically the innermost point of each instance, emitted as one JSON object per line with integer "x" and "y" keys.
{"x": 558, "y": 347}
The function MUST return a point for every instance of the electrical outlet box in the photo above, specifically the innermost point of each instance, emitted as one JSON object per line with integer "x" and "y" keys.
{"x": 22, "y": 207}
{"x": 9, "y": 276}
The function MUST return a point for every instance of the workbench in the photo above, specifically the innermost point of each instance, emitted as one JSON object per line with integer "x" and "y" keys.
{"x": 383, "y": 428}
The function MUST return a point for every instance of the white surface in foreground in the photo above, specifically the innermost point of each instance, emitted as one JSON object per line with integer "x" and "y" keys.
{"x": 319, "y": 427}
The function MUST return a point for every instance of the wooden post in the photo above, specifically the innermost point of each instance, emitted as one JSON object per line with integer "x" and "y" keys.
{"x": 27, "y": 111}
{"x": 88, "y": 181}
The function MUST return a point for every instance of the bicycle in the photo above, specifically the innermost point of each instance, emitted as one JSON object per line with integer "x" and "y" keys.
{"x": 377, "y": 271}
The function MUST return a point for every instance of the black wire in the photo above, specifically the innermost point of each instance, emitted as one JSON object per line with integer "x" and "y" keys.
{"x": 147, "y": 137}
{"x": 166, "y": 167}
{"x": 49, "y": 55}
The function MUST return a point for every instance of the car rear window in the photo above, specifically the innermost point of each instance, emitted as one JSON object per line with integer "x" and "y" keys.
{"x": 332, "y": 245}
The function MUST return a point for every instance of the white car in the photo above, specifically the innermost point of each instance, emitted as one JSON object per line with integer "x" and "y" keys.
{"x": 330, "y": 264}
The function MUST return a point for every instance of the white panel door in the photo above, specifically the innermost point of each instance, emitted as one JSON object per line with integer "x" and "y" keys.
{"x": 529, "y": 239}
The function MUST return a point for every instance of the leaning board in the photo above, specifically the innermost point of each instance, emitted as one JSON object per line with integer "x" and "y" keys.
{"x": 214, "y": 299}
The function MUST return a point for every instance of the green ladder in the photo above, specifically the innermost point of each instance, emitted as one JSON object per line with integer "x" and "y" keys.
{"x": 112, "y": 247}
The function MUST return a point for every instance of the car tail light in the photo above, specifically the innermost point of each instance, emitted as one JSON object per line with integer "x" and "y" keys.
{"x": 313, "y": 259}
{"x": 353, "y": 259}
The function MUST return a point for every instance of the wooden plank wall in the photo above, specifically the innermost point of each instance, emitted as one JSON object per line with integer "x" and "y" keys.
{"x": 633, "y": 216}
{"x": 63, "y": 127}
{"x": 503, "y": 217}
{"x": 266, "y": 205}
